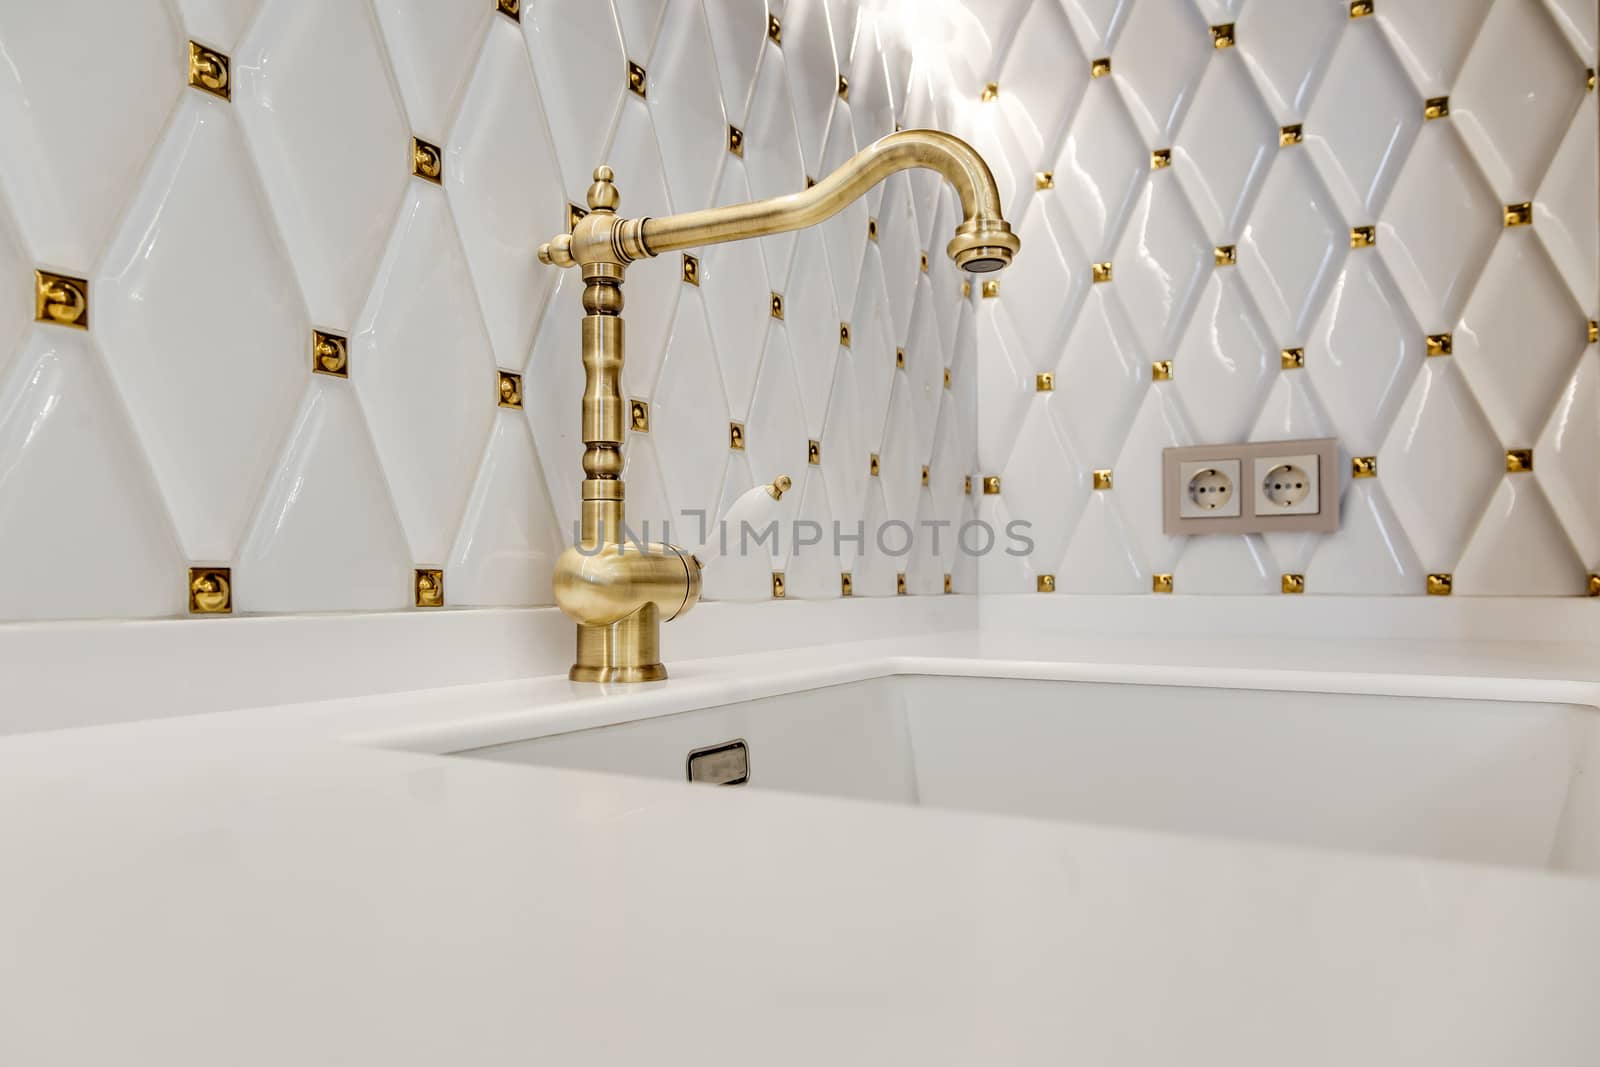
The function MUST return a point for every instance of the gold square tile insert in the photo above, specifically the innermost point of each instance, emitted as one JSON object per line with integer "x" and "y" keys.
{"x": 779, "y": 591}
{"x": 776, "y": 305}
{"x": 60, "y": 299}
{"x": 1225, "y": 255}
{"x": 1293, "y": 358}
{"x": 1292, "y": 134}
{"x": 427, "y": 162}
{"x": 1161, "y": 583}
{"x": 1160, "y": 158}
{"x": 1102, "y": 478}
{"x": 814, "y": 453}
{"x": 775, "y": 29}
{"x": 1363, "y": 236}
{"x": 1364, "y": 467}
{"x": 844, "y": 335}
{"x": 991, "y": 289}
{"x": 924, "y": 475}
{"x": 429, "y": 587}
{"x": 1594, "y": 331}
{"x": 1046, "y": 583}
{"x": 210, "y": 590}
{"x": 510, "y": 390}
{"x": 872, "y": 228}
{"x": 1161, "y": 370}
{"x": 1360, "y": 9}
{"x": 966, "y": 485}
{"x": 1440, "y": 584}
{"x": 736, "y": 141}
{"x": 991, "y": 93}
{"x": 1519, "y": 460}
{"x": 1044, "y": 179}
{"x": 947, "y": 377}
{"x": 1222, "y": 36}
{"x": 512, "y": 9}
{"x": 1101, "y": 272}
{"x": 575, "y": 215}
{"x": 949, "y": 584}
{"x": 1519, "y": 214}
{"x": 330, "y": 354}
{"x": 844, "y": 87}
{"x": 691, "y": 269}
{"x": 1101, "y": 67}
{"x": 991, "y": 485}
{"x": 900, "y": 584}
{"x": 1594, "y": 585}
{"x": 637, "y": 82}
{"x": 922, "y": 261}
{"x": 1436, "y": 107}
{"x": 1293, "y": 583}
{"x": 873, "y": 466}
{"x": 736, "y": 436}
{"x": 1440, "y": 344}
{"x": 1044, "y": 383}
{"x": 208, "y": 71}
{"x": 639, "y": 416}
{"x": 846, "y": 584}
{"x": 900, "y": 358}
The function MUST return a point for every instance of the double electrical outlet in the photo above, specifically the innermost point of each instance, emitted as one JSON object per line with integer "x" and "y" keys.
{"x": 1263, "y": 487}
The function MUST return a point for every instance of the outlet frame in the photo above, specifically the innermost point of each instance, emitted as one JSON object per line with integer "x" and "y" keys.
{"x": 1249, "y": 520}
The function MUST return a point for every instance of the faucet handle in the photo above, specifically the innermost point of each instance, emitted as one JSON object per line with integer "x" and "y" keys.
{"x": 558, "y": 252}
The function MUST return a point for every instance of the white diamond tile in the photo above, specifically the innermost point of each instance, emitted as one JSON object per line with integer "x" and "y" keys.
{"x": 1519, "y": 548}
{"x": 432, "y": 45}
{"x": 1292, "y": 410}
{"x": 217, "y": 23}
{"x": 924, "y": 110}
{"x": 16, "y": 289}
{"x": 1005, "y": 383}
{"x": 1100, "y": 380}
{"x": 812, "y": 569}
{"x": 899, "y": 252}
{"x": 1432, "y": 48}
{"x": 1292, "y": 246}
{"x": 1362, "y": 121}
{"x": 845, "y": 234}
{"x": 813, "y": 75}
{"x": 1439, "y": 464}
{"x": 735, "y": 574}
{"x": 506, "y": 550}
{"x": 326, "y": 537}
{"x": 1050, "y": 279}
{"x": 1520, "y": 306}
{"x": 651, "y": 293}
{"x": 1567, "y": 458}
{"x": 1226, "y": 566}
{"x": 1225, "y": 147}
{"x": 772, "y": 156}
{"x": 925, "y": 366}
{"x": 505, "y": 191}
{"x": 1099, "y": 171}
{"x": 687, "y": 420}
{"x": 949, "y": 467}
{"x": 641, "y": 22}
{"x": 1041, "y": 81}
{"x": 1288, "y": 47}
{"x": 900, "y": 464}
{"x": 157, "y": 311}
{"x": 1578, "y": 20}
{"x": 942, "y": 271}
{"x": 647, "y": 515}
{"x": 1158, "y": 425}
{"x": 1044, "y": 483}
{"x": 429, "y": 416}
{"x": 842, "y": 17}
{"x": 84, "y": 91}
{"x": 775, "y": 435}
{"x": 984, "y": 32}
{"x": 687, "y": 107}
{"x": 925, "y": 566}
{"x": 1159, "y": 60}
{"x": 812, "y": 323}
{"x": 844, "y": 454}
{"x": 1370, "y": 555}
{"x": 1439, "y": 225}
{"x": 871, "y": 107}
{"x": 999, "y": 571}
{"x": 1516, "y": 96}
{"x": 1160, "y": 264}
{"x": 1565, "y": 212}
{"x": 1363, "y": 353}
{"x": 105, "y": 549}
{"x": 873, "y": 571}
{"x": 733, "y": 277}
{"x": 872, "y": 352}
{"x": 569, "y": 44}
{"x": 964, "y": 565}
{"x": 551, "y": 383}
{"x": 1220, "y": 369}
{"x": 991, "y": 136}
{"x": 312, "y": 89}
{"x": 1097, "y": 23}
{"x": 1100, "y": 558}
{"x": 738, "y": 34}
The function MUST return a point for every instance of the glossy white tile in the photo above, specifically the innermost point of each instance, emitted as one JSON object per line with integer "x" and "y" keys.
{"x": 432, "y": 46}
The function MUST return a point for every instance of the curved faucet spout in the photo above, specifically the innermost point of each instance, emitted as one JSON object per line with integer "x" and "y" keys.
{"x": 983, "y": 241}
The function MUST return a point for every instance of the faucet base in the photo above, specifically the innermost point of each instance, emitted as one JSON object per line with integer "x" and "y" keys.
{"x": 628, "y": 650}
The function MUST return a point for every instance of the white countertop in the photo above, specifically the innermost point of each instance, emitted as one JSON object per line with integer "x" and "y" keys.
{"x": 272, "y": 887}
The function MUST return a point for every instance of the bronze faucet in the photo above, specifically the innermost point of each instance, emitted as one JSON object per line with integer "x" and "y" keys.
{"x": 618, "y": 593}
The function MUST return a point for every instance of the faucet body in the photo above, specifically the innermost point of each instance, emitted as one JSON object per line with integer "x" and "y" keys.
{"x": 617, "y": 591}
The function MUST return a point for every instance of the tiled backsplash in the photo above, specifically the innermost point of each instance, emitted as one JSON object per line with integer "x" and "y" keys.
{"x": 234, "y": 203}
{"x": 1374, "y": 220}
